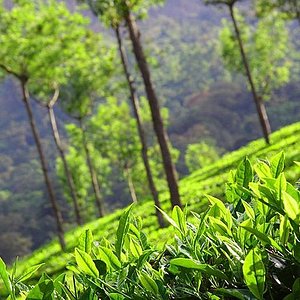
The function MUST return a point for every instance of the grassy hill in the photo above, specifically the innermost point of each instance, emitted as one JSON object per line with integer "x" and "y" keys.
{"x": 209, "y": 180}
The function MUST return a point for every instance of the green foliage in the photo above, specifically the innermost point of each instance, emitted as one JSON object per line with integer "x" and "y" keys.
{"x": 290, "y": 8}
{"x": 266, "y": 46}
{"x": 114, "y": 12}
{"x": 229, "y": 250}
{"x": 209, "y": 180}
{"x": 200, "y": 155}
{"x": 76, "y": 159}
{"x": 38, "y": 38}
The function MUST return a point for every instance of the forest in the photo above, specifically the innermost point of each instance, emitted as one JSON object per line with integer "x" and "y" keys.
{"x": 149, "y": 149}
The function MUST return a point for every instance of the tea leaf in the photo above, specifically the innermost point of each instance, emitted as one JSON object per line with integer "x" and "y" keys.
{"x": 115, "y": 296}
{"x": 85, "y": 263}
{"x": 4, "y": 276}
{"x": 263, "y": 170}
{"x": 122, "y": 230}
{"x": 263, "y": 237}
{"x": 244, "y": 173}
{"x": 291, "y": 207}
{"x": 85, "y": 241}
{"x": 28, "y": 273}
{"x": 148, "y": 283}
{"x": 191, "y": 264}
{"x": 179, "y": 217}
{"x": 277, "y": 164}
{"x": 254, "y": 273}
{"x": 249, "y": 210}
{"x": 135, "y": 249}
{"x": 109, "y": 258}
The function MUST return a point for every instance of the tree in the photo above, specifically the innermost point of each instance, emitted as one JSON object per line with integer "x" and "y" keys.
{"x": 267, "y": 42}
{"x": 116, "y": 138}
{"x": 260, "y": 107}
{"x": 115, "y": 24}
{"x": 60, "y": 148}
{"x": 77, "y": 161}
{"x": 122, "y": 11}
{"x": 32, "y": 36}
{"x": 200, "y": 155}
{"x": 290, "y": 8}
{"x": 91, "y": 69}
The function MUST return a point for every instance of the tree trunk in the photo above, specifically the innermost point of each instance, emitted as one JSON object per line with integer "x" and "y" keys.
{"x": 158, "y": 125}
{"x": 130, "y": 184}
{"x": 54, "y": 204}
{"x": 137, "y": 115}
{"x": 68, "y": 174}
{"x": 260, "y": 106}
{"x": 94, "y": 179}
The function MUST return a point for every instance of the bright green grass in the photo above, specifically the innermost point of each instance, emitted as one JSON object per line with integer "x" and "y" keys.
{"x": 209, "y": 180}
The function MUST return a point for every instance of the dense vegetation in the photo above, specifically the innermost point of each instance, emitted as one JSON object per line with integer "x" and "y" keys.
{"x": 246, "y": 248}
{"x": 209, "y": 180}
{"x": 120, "y": 105}
{"x": 194, "y": 93}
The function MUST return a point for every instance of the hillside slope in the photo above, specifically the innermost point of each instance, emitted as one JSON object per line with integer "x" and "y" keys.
{"x": 182, "y": 37}
{"x": 209, "y": 180}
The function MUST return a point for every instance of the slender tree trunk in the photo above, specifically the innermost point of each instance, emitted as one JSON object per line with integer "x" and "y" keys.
{"x": 130, "y": 184}
{"x": 158, "y": 125}
{"x": 142, "y": 136}
{"x": 260, "y": 106}
{"x": 95, "y": 183}
{"x": 68, "y": 174}
{"x": 54, "y": 204}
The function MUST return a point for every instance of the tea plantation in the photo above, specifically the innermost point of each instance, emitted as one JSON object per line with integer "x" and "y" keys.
{"x": 272, "y": 237}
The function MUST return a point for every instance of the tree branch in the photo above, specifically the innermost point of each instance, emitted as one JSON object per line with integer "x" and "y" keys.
{"x": 10, "y": 71}
{"x": 54, "y": 99}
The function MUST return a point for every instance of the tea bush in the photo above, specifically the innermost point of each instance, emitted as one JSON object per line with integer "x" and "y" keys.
{"x": 247, "y": 248}
{"x": 209, "y": 180}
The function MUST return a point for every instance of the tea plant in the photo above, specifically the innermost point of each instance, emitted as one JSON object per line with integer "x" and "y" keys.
{"x": 247, "y": 248}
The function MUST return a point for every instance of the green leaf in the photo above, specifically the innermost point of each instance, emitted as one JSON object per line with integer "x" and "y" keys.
{"x": 263, "y": 170}
{"x": 5, "y": 277}
{"x": 219, "y": 210}
{"x": 85, "y": 263}
{"x": 249, "y": 210}
{"x": 230, "y": 292}
{"x": 28, "y": 273}
{"x": 170, "y": 220}
{"x": 263, "y": 237}
{"x": 58, "y": 283}
{"x": 277, "y": 164}
{"x": 135, "y": 249}
{"x": 244, "y": 173}
{"x": 148, "y": 283}
{"x": 191, "y": 264}
{"x": 291, "y": 207}
{"x": 122, "y": 230}
{"x": 219, "y": 226}
{"x": 296, "y": 251}
{"x": 109, "y": 258}
{"x": 43, "y": 290}
{"x": 115, "y": 296}
{"x": 284, "y": 229}
{"x": 201, "y": 228}
{"x": 292, "y": 191}
{"x": 85, "y": 241}
{"x": 179, "y": 217}
{"x": 254, "y": 273}
{"x": 281, "y": 186}
{"x": 101, "y": 266}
